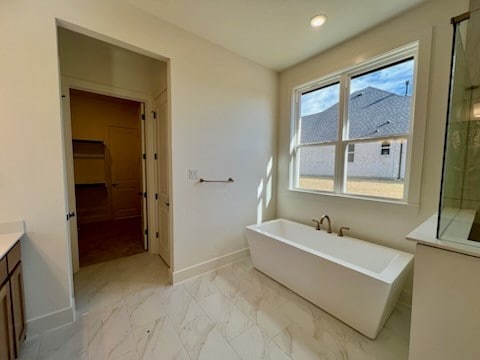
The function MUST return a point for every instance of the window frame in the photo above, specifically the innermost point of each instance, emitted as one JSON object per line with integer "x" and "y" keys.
{"x": 344, "y": 76}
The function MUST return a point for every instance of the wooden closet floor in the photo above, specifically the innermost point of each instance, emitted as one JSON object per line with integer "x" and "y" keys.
{"x": 107, "y": 240}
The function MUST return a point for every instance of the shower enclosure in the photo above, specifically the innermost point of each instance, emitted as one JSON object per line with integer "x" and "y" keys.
{"x": 459, "y": 211}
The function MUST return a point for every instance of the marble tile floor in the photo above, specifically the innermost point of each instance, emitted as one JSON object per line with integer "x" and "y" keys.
{"x": 127, "y": 310}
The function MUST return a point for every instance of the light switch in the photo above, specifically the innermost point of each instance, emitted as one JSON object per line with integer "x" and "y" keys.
{"x": 192, "y": 173}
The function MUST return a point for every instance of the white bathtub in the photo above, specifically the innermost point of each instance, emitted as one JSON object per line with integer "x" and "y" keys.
{"x": 356, "y": 281}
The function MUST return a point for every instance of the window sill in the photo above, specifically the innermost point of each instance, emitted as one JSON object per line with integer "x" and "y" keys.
{"x": 353, "y": 197}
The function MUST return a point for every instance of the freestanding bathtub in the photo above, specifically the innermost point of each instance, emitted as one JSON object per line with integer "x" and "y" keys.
{"x": 356, "y": 281}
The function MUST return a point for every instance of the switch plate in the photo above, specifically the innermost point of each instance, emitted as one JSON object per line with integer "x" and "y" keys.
{"x": 193, "y": 174}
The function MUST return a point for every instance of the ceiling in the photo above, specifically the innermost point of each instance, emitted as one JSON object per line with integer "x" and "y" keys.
{"x": 274, "y": 33}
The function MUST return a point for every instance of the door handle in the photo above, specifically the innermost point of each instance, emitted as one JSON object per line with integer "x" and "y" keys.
{"x": 167, "y": 203}
{"x": 70, "y": 215}
{"x": 114, "y": 184}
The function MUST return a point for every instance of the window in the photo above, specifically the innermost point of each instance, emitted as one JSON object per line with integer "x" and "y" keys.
{"x": 385, "y": 149}
{"x": 351, "y": 153}
{"x": 343, "y": 120}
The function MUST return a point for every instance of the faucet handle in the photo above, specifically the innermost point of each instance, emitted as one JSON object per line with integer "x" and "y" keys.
{"x": 340, "y": 231}
{"x": 317, "y": 227}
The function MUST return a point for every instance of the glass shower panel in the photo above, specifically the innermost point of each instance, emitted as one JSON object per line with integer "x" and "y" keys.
{"x": 460, "y": 197}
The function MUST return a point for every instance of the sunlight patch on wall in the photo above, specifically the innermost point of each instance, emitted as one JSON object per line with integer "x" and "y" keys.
{"x": 265, "y": 191}
{"x": 260, "y": 211}
{"x": 268, "y": 191}
{"x": 260, "y": 189}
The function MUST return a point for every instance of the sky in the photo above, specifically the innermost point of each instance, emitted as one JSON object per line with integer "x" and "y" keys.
{"x": 390, "y": 79}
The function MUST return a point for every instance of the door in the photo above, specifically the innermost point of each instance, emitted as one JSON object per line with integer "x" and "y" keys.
{"x": 163, "y": 180}
{"x": 126, "y": 167}
{"x": 7, "y": 341}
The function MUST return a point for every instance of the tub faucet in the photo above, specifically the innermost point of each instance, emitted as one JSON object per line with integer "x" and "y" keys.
{"x": 329, "y": 228}
{"x": 317, "y": 226}
{"x": 340, "y": 231}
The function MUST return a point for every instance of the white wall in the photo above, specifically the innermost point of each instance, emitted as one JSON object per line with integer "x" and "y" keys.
{"x": 89, "y": 59}
{"x": 379, "y": 222}
{"x": 223, "y": 110}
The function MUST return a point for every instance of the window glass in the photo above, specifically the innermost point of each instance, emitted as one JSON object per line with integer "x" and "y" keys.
{"x": 375, "y": 175}
{"x": 316, "y": 168}
{"x": 371, "y": 129}
{"x": 379, "y": 104}
{"x": 319, "y": 114}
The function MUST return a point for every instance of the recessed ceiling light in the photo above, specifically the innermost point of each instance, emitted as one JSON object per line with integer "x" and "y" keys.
{"x": 318, "y": 20}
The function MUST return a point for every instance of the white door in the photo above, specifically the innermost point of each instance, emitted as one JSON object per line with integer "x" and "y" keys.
{"x": 163, "y": 215}
{"x": 71, "y": 217}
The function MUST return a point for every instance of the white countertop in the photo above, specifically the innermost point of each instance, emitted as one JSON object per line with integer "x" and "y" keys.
{"x": 426, "y": 234}
{"x": 10, "y": 233}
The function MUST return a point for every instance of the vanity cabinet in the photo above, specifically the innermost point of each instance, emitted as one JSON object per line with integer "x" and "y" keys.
{"x": 7, "y": 339}
{"x": 445, "y": 308}
{"x": 12, "y": 308}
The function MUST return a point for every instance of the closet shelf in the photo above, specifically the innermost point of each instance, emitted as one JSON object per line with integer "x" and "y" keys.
{"x": 92, "y": 184}
{"x": 88, "y": 156}
{"x": 87, "y": 141}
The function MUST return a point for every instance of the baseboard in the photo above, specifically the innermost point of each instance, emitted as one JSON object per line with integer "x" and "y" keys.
{"x": 405, "y": 299}
{"x": 209, "y": 265}
{"x": 41, "y": 324}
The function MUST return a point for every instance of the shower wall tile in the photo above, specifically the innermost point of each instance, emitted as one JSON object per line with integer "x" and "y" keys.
{"x": 472, "y": 164}
{"x": 452, "y": 203}
{"x": 455, "y": 160}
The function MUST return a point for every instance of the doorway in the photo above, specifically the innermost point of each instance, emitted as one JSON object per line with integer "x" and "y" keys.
{"x": 108, "y": 145}
{"x": 138, "y": 83}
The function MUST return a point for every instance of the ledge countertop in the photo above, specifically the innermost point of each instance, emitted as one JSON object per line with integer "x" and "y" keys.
{"x": 426, "y": 234}
{"x": 10, "y": 233}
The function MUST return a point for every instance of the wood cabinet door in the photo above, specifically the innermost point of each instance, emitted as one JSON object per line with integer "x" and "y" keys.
{"x": 18, "y": 305}
{"x": 126, "y": 162}
{"x": 7, "y": 341}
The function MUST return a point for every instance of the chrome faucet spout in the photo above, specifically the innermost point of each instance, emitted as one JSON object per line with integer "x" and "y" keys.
{"x": 329, "y": 223}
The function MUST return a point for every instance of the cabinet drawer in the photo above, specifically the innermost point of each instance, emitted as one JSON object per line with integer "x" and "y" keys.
{"x": 13, "y": 257}
{"x": 3, "y": 270}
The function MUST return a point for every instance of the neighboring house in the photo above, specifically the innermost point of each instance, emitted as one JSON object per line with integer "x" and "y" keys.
{"x": 373, "y": 113}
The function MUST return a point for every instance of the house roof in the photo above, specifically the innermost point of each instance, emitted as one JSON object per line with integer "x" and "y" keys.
{"x": 372, "y": 113}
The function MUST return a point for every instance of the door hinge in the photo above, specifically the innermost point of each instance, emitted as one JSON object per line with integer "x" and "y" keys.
{"x": 156, "y": 196}
{"x": 145, "y": 194}
{"x": 143, "y": 116}
{"x": 156, "y": 234}
{"x": 154, "y": 113}
{"x": 146, "y": 231}
{"x": 155, "y": 156}
{"x": 144, "y": 156}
